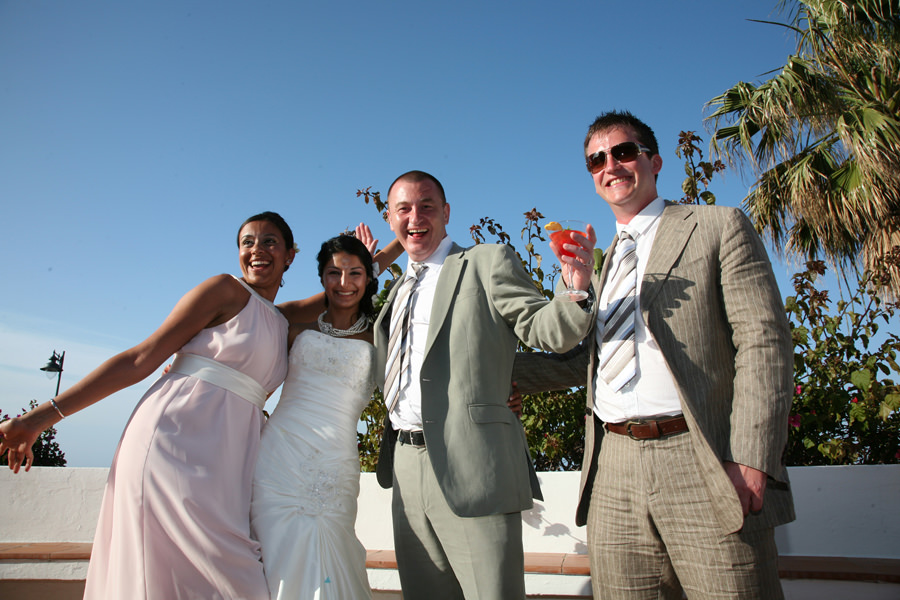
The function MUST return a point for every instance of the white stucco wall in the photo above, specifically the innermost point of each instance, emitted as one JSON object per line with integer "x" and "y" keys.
{"x": 842, "y": 511}
{"x": 50, "y": 504}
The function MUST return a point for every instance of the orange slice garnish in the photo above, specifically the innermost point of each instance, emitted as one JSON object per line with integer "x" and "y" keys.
{"x": 553, "y": 226}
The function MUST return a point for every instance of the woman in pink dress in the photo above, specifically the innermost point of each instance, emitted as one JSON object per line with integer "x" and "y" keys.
{"x": 174, "y": 523}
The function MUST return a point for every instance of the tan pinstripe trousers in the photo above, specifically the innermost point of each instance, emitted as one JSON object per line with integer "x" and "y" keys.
{"x": 652, "y": 531}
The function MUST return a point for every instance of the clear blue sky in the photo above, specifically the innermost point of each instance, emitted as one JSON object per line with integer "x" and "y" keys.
{"x": 136, "y": 136}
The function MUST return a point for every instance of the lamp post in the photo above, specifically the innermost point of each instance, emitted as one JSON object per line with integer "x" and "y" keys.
{"x": 55, "y": 365}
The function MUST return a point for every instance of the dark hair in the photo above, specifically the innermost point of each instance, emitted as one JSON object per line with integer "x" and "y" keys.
{"x": 275, "y": 219}
{"x": 351, "y": 245}
{"x": 416, "y": 177}
{"x": 614, "y": 118}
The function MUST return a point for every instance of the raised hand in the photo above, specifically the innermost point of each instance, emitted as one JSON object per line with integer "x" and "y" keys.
{"x": 581, "y": 262}
{"x": 364, "y": 234}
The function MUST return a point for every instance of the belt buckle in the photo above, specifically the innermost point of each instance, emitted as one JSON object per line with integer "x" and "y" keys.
{"x": 631, "y": 423}
{"x": 411, "y": 438}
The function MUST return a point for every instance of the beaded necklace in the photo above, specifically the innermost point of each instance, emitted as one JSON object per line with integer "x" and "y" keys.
{"x": 327, "y": 328}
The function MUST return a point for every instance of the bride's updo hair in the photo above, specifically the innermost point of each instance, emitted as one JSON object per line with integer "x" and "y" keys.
{"x": 351, "y": 245}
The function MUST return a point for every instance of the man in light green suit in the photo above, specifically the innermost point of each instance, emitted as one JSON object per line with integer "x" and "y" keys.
{"x": 453, "y": 451}
{"x": 688, "y": 391}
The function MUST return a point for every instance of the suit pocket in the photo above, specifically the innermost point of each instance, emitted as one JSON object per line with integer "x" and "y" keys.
{"x": 490, "y": 413}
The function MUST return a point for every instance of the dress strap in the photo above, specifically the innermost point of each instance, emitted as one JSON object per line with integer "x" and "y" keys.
{"x": 270, "y": 306}
{"x": 220, "y": 375}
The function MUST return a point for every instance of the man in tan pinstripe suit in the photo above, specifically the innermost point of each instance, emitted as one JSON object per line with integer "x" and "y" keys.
{"x": 688, "y": 483}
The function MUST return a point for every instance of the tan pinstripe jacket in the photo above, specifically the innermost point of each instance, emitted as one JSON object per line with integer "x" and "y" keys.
{"x": 710, "y": 299}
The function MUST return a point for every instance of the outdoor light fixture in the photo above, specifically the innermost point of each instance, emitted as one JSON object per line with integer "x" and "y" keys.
{"x": 55, "y": 365}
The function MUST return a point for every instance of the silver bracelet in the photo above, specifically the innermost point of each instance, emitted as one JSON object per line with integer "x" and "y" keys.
{"x": 56, "y": 406}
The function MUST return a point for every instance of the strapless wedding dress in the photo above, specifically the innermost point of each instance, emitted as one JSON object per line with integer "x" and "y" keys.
{"x": 307, "y": 475}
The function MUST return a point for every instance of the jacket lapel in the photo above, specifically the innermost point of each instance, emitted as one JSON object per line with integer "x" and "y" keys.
{"x": 675, "y": 228}
{"x": 380, "y": 330}
{"x": 451, "y": 270}
{"x": 597, "y": 281}
{"x": 385, "y": 313}
{"x": 604, "y": 269}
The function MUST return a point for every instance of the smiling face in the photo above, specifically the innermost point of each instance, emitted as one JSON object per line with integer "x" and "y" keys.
{"x": 344, "y": 279}
{"x": 628, "y": 187}
{"x": 263, "y": 256}
{"x": 418, "y": 215}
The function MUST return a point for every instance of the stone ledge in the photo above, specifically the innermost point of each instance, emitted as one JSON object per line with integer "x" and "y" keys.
{"x": 548, "y": 563}
{"x": 886, "y": 570}
{"x": 46, "y": 551}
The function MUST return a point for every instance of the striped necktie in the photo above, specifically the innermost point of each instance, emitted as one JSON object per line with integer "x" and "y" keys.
{"x": 617, "y": 364}
{"x": 398, "y": 351}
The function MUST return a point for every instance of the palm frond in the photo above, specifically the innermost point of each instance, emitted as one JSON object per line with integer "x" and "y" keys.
{"x": 821, "y": 136}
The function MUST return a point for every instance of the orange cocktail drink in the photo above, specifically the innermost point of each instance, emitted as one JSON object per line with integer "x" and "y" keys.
{"x": 560, "y": 234}
{"x": 564, "y": 236}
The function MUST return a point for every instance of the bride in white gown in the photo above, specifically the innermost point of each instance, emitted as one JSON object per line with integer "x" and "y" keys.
{"x": 307, "y": 476}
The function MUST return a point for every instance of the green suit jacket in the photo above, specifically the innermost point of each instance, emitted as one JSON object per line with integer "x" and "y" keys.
{"x": 710, "y": 299}
{"x": 483, "y": 303}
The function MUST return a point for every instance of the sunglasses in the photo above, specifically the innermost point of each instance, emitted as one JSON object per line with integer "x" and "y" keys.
{"x": 624, "y": 152}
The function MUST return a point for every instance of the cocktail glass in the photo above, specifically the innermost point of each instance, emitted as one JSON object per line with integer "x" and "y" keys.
{"x": 564, "y": 236}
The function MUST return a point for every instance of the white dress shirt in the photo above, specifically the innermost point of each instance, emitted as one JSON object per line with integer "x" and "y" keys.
{"x": 407, "y": 414}
{"x": 652, "y": 392}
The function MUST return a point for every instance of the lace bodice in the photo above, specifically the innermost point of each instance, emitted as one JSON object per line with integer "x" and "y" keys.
{"x": 309, "y": 445}
{"x": 348, "y": 362}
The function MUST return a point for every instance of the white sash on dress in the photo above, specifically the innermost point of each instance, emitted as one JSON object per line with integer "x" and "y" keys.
{"x": 220, "y": 375}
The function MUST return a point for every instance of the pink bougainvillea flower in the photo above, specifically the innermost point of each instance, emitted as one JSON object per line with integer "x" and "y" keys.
{"x": 794, "y": 421}
{"x": 798, "y": 389}
{"x": 854, "y": 400}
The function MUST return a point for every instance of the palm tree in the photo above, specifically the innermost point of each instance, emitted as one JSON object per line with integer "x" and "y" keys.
{"x": 822, "y": 136}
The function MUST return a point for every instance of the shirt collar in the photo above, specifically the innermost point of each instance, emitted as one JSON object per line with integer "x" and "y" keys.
{"x": 641, "y": 223}
{"x": 437, "y": 257}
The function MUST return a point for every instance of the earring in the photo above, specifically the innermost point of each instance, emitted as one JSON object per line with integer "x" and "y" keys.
{"x": 282, "y": 283}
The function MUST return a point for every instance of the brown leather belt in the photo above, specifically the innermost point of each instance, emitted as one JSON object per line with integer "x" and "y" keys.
{"x": 645, "y": 429}
{"x": 411, "y": 438}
